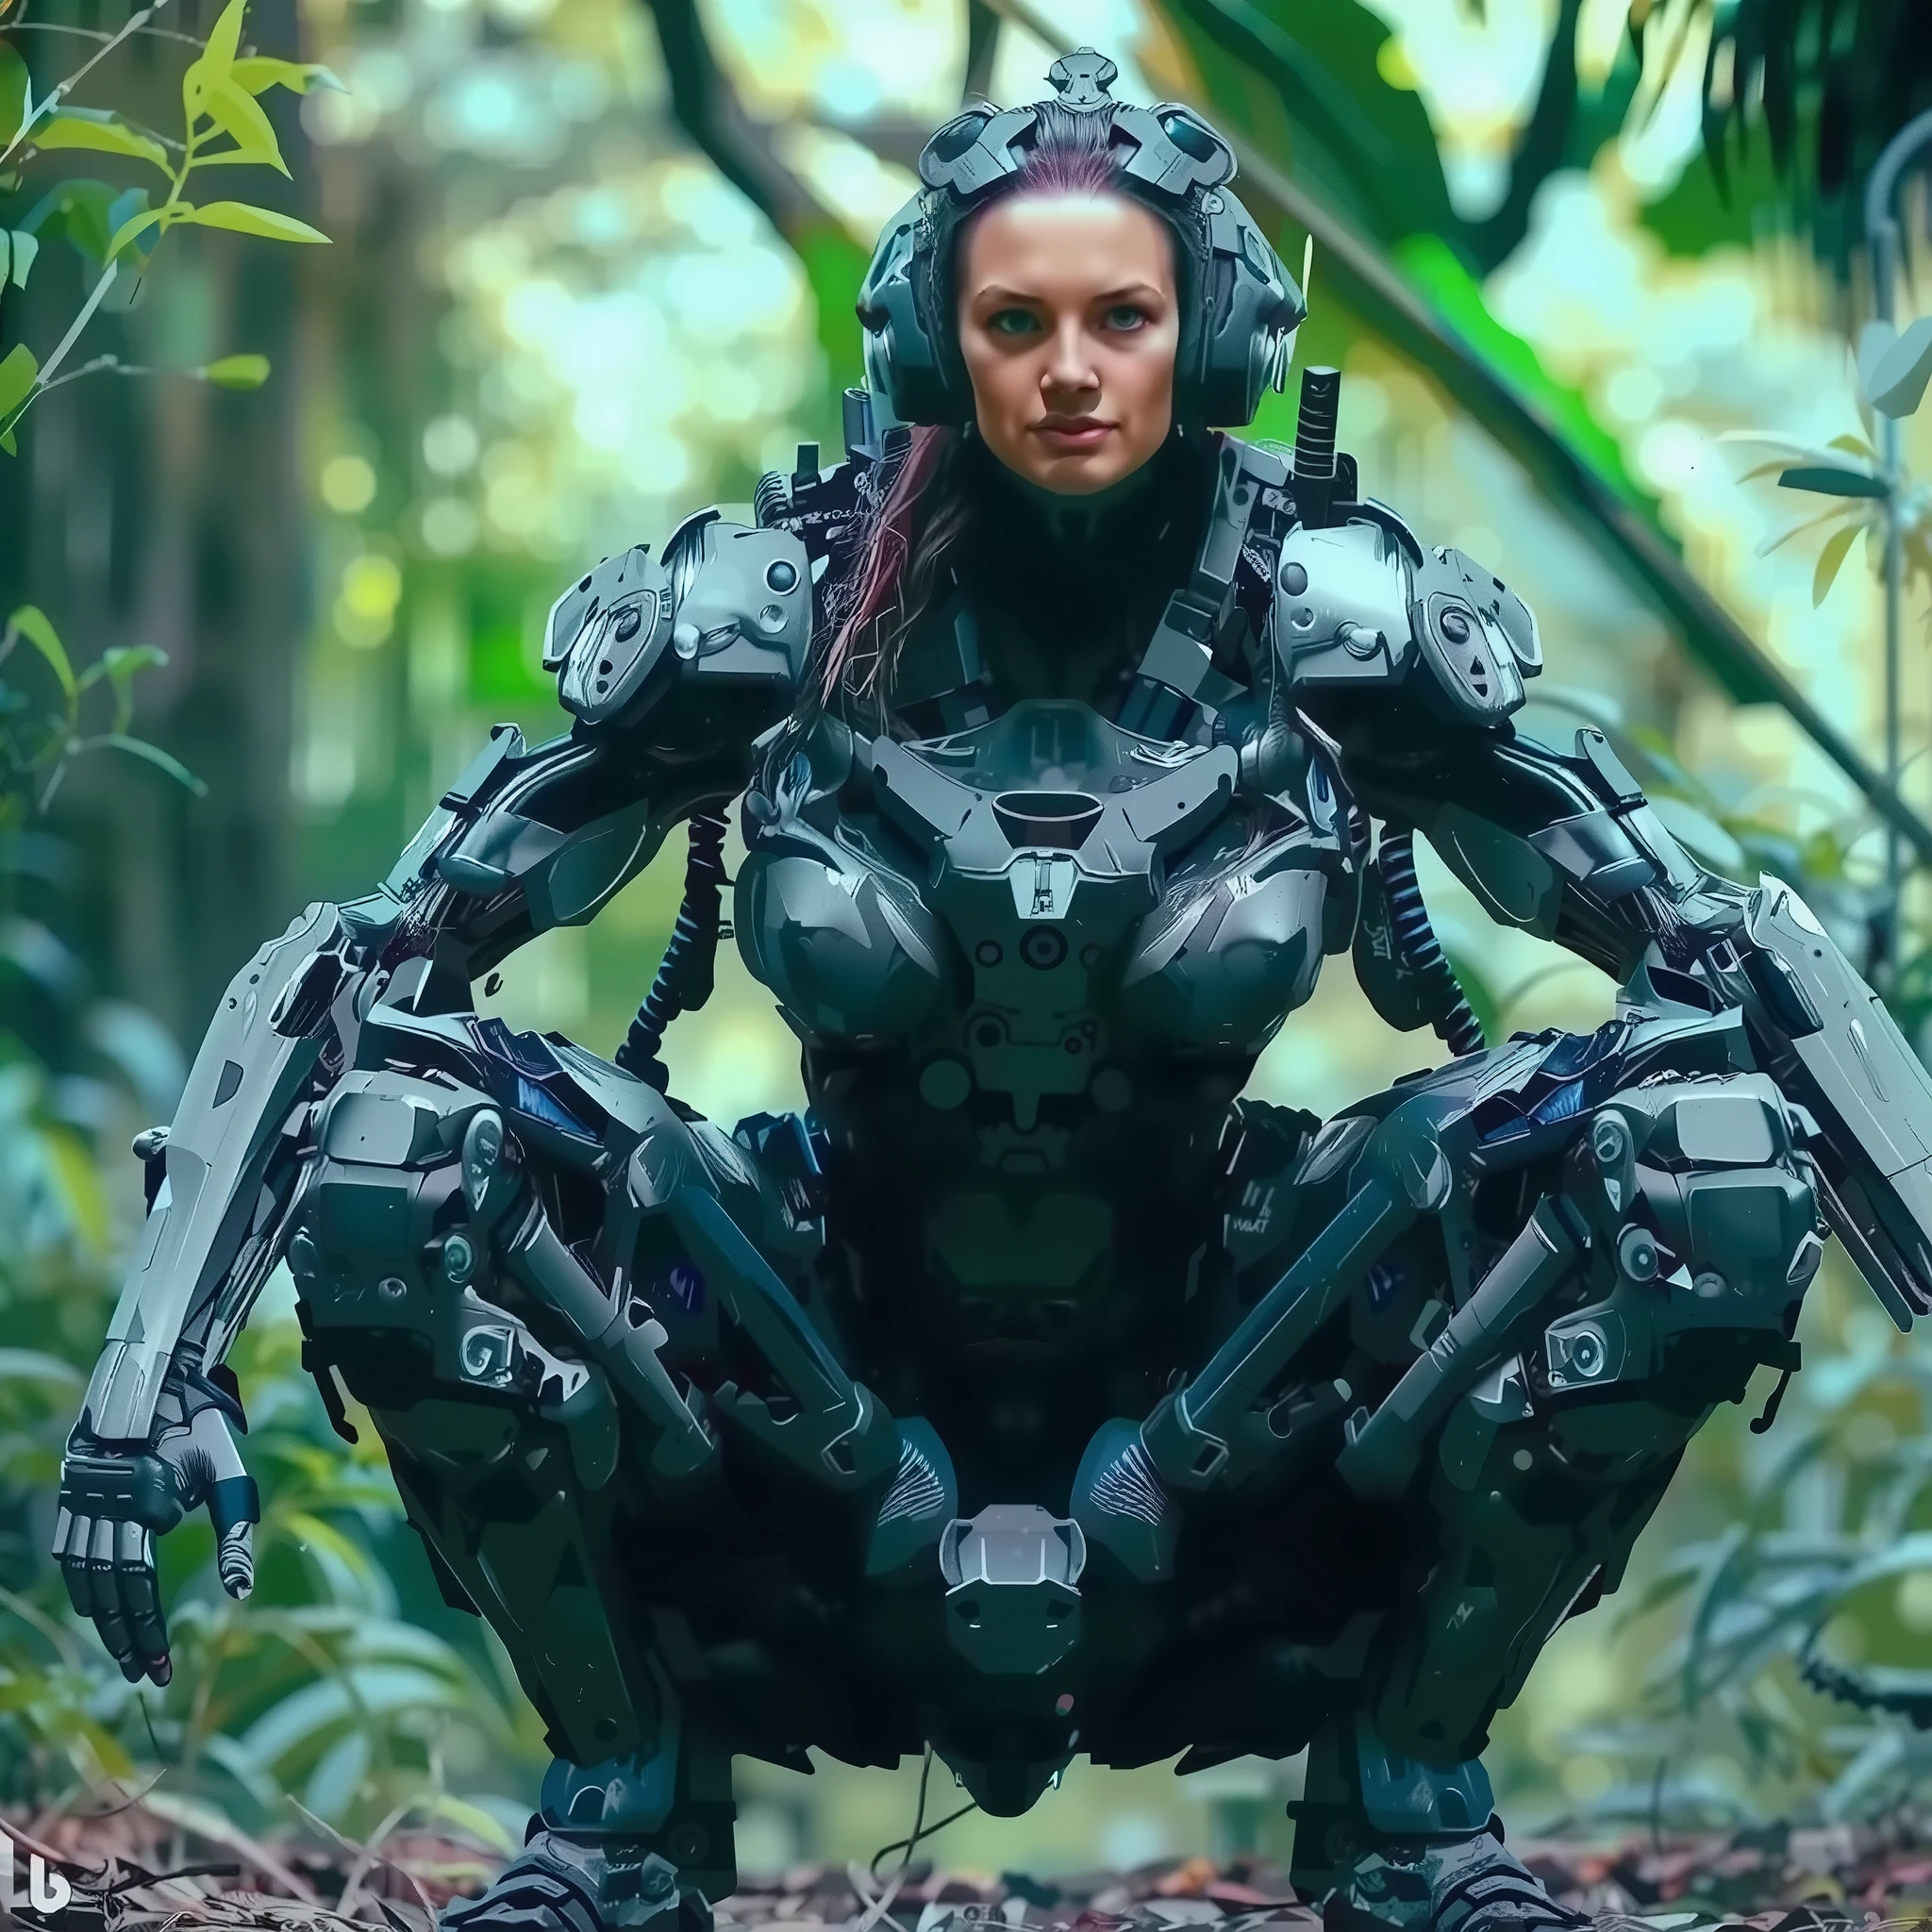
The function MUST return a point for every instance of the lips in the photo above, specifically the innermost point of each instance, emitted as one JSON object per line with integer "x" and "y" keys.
{"x": 1072, "y": 432}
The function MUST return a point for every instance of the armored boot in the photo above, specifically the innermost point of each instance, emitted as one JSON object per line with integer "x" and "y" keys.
{"x": 624, "y": 1846}
{"x": 1387, "y": 1844}
{"x": 565, "y": 1882}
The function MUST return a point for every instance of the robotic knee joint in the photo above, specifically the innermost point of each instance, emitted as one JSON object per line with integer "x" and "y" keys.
{"x": 1705, "y": 1237}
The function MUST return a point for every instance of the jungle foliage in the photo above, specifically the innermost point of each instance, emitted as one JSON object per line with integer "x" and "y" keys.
{"x": 339, "y": 1684}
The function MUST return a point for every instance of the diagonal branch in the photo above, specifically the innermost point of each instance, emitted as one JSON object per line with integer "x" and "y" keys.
{"x": 708, "y": 107}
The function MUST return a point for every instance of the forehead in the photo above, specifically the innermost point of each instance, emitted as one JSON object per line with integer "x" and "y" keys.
{"x": 1061, "y": 245}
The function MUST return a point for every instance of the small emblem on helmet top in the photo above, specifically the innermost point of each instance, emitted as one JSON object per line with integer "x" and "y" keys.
{"x": 1082, "y": 79}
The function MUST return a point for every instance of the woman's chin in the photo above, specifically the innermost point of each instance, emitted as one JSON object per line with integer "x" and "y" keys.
{"x": 1080, "y": 473}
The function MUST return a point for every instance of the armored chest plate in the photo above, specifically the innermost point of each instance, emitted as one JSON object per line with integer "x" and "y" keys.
{"x": 1045, "y": 832}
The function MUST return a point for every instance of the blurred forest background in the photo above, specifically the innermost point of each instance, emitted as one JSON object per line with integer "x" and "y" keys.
{"x": 590, "y": 265}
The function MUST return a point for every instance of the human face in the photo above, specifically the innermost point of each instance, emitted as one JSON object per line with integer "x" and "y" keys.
{"x": 1068, "y": 324}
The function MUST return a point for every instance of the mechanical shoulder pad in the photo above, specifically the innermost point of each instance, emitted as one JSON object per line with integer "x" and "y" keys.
{"x": 725, "y": 603}
{"x": 1361, "y": 603}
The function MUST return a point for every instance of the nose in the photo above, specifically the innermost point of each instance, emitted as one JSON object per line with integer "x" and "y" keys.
{"x": 1070, "y": 371}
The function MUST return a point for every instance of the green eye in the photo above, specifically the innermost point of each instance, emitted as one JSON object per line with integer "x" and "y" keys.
{"x": 1011, "y": 321}
{"x": 1123, "y": 315}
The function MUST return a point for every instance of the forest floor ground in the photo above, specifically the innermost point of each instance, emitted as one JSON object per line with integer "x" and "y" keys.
{"x": 132, "y": 1871}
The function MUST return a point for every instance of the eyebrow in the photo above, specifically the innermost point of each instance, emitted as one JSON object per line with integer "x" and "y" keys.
{"x": 999, "y": 292}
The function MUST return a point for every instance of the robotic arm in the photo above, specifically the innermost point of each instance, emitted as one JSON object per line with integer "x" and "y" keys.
{"x": 672, "y": 667}
{"x": 1567, "y": 846}
{"x": 1407, "y": 666}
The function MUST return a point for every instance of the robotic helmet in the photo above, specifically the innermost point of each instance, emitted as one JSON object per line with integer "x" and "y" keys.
{"x": 1240, "y": 307}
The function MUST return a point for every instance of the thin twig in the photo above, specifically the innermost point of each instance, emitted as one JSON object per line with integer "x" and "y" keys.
{"x": 28, "y": 1842}
{"x": 369, "y": 1856}
{"x": 28, "y": 1612}
{"x": 79, "y": 323}
{"x": 93, "y": 33}
{"x": 348, "y": 1844}
{"x": 61, "y": 89}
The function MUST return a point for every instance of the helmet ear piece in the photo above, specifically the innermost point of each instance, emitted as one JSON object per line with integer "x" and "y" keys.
{"x": 1239, "y": 337}
{"x": 910, "y": 359}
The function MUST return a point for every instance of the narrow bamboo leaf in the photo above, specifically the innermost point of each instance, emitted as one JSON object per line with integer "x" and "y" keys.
{"x": 31, "y": 623}
{"x": 21, "y": 252}
{"x": 17, "y": 373}
{"x": 246, "y": 219}
{"x": 141, "y": 749}
{"x": 238, "y": 372}
{"x": 1783, "y": 537}
{"x": 258, "y": 72}
{"x": 1760, "y": 439}
{"x": 473, "y": 1819}
{"x": 100, "y": 137}
{"x": 238, "y": 115}
{"x": 1828, "y": 481}
{"x": 1829, "y": 560}
{"x": 30, "y": 1365}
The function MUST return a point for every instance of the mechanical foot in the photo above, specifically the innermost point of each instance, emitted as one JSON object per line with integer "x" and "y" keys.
{"x": 565, "y": 1884}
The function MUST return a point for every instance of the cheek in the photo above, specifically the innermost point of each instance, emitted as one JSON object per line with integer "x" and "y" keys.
{"x": 1147, "y": 375}
{"x": 1001, "y": 376}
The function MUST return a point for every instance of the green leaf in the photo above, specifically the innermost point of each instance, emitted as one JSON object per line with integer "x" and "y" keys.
{"x": 119, "y": 666}
{"x": 31, "y": 623}
{"x": 238, "y": 372}
{"x": 103, "y": 136}
{"x": 79, "y": 209}
{"x": 238, "y": 115}
{"x": 22, "y": 249}
{"x": 125, "y": 208}
{"x": 246, "y": 219}
{"x": 1484, "y": 1001}
{"x": 473, "y": 1819}
{"x": 139, "y": 225}
{"x": 141, "y": 749}
{"x": 13, "y": 93}
{"x": 1829, "y": 560}
{"x": 1783, "y": 537}
{"x": 121, "y": 663}
{"x": 1828, "y": 481}
{"x": 30, "y": 1365}
{"x": 17, "y": 375}
{"x": 258, "y": 72}
{"x": 216, "y": 62}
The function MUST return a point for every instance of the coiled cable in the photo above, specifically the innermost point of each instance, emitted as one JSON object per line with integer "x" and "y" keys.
{"x": 684, "y": 980}
{"x": 1408, "y": 917}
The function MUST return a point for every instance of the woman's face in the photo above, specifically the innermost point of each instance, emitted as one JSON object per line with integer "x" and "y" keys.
{"x": 1068, "y": 324}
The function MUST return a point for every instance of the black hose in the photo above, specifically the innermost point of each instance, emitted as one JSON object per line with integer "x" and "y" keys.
{"x": 684, "y": 975}
{"x": 1449, "y": 1010}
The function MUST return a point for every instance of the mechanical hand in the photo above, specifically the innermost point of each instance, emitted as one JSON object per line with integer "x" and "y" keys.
{"x": 115, "y": 1497}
